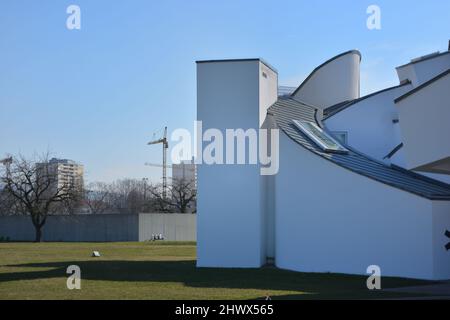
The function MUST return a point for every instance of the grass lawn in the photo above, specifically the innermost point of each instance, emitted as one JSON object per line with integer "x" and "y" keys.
{"x": 161, "y": 271}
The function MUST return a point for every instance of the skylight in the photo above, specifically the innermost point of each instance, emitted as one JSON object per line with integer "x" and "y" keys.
{"x": 322, "y": 139}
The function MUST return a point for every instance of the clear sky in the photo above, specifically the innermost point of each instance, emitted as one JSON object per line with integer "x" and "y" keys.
{"x": 97, "y": 95}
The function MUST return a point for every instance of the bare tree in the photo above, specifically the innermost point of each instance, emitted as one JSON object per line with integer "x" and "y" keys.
{"x": 98, "y": 197}
{"x": 182, "y": 195}
{"x": 120, "y": 196}
{"x": 8, "y": 204}
{"x": 70, "y": 204}
{"x": 37, "y": 192}
{"x": 128, "y": 195}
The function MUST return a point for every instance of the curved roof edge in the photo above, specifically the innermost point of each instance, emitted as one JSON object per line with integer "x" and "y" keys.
{"x": 423, "y": 85}
{"x": 333, "y": 110}
{"x": 429, "y": 57}
{"x": 324, "y": 64}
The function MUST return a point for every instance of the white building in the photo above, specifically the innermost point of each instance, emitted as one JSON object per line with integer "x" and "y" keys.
{"x": 353, "y": 187}
{"x": 185, "y": 174}
{"x": 65, "y": 173}
{"x": 186, "y": 171}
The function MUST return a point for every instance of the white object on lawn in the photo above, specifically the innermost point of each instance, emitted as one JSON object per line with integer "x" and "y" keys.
{"x": 95, "y": 254}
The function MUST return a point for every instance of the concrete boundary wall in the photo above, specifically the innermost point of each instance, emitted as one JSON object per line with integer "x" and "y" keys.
{"x": 102, "y": 227}
{"x": 174, "y": 227}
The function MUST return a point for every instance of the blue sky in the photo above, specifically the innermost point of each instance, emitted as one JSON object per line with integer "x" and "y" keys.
{"x": 96, "y": 95}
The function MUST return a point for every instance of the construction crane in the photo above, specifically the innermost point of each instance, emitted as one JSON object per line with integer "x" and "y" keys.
{"x": 165, "y": 146}
{"x": 171, "y": 166}
{"x": 167, "y": 166}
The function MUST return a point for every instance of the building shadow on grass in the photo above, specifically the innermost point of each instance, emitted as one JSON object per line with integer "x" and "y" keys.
{"x": 269, "y": 279}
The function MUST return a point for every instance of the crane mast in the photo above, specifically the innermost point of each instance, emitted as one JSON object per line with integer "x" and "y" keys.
{"x": 165, "y": 146}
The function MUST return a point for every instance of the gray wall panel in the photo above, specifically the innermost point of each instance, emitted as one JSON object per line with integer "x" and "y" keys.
{"x": 103, "y": 228}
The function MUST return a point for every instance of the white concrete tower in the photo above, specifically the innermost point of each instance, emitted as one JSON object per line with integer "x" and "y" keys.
{"x": 232, "y": 94}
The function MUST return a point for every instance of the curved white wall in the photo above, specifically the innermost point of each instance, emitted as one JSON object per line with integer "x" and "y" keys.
{"x": 335, "y": 81}
{"x": 441, "y": 223}
{"x": 422, "y": 71}
{"x": 425, "y": 127}
{"x": 329, "y": 219}
{"x": 369, "y": 125}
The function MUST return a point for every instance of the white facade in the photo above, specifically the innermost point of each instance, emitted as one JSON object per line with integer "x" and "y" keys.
{"x": 340, "y": 221}
{"x": 377, "y": 124}
{"x": 371, "y": 124}
{"x": 441, "y": 258}
{"x": 230, "y": 203}
{"x": 421, "y": 70}
{"x": 323, "y": 212}
{"x": 424, "y": 122}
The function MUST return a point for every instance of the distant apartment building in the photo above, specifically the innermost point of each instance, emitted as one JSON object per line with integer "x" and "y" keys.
{"x": 186, "y": 170}
{"x": 5, "y": 162}
{"x": 65, "y": 172}
{"x": 186, "y": 173}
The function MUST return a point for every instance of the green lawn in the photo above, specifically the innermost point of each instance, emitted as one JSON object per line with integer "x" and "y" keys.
{"x": 160, "y": 271}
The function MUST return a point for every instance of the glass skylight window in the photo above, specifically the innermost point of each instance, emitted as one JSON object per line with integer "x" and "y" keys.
{"x": 322, "y": 139}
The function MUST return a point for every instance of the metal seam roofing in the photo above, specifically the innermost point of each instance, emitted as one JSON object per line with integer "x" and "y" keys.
{"x": 287, "y": 109}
